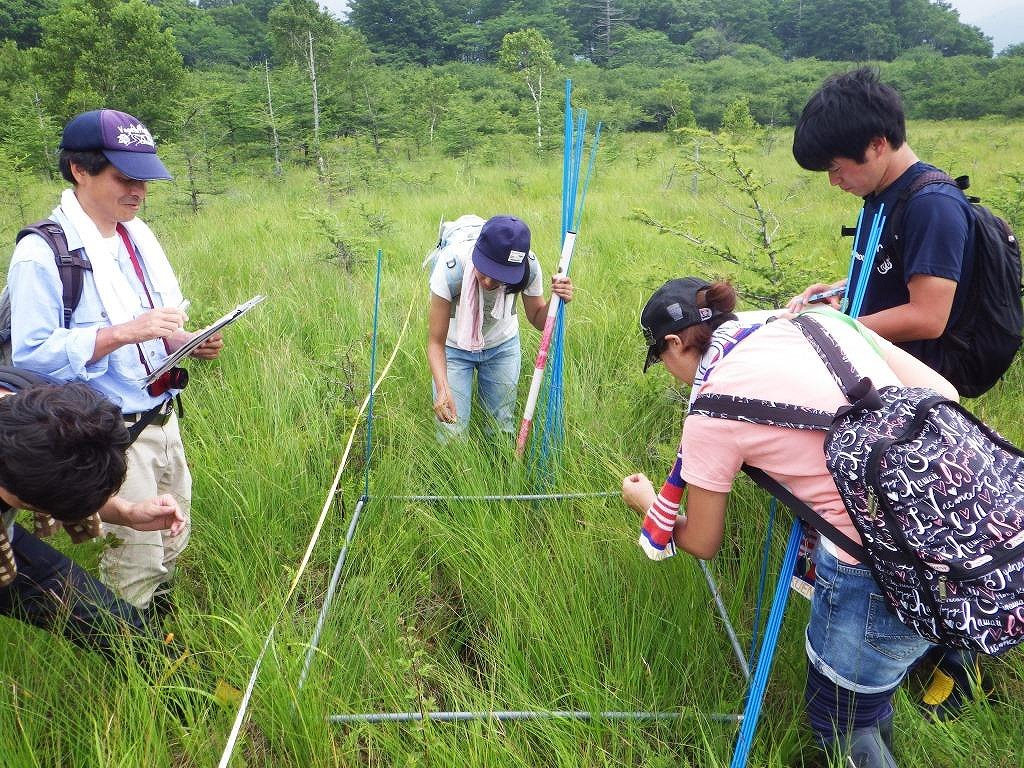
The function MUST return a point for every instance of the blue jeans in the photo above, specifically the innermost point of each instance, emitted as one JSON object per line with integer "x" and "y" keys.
{"x": 497, "y": 375}
{"x": 852, "y": 637}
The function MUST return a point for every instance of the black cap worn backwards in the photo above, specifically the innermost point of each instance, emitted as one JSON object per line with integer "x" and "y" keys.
{"x": 671, "y": 309}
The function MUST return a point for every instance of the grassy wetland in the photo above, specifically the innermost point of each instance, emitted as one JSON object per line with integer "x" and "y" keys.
{"x": 469, "y": 605}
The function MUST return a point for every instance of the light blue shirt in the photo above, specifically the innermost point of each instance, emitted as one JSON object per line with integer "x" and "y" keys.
{"x": 40, "y": 342}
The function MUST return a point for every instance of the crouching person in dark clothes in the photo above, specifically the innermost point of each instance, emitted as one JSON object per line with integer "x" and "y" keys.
{"x": 62, "y": 456}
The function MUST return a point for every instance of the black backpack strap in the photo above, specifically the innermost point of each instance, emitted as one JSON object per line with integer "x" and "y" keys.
{"x": 805, "y": 513}
{"x": 778, "y": 415}
{"x": 858, "y": 390}
{"x": 756, "y": 411}
{"x": 70, "y": 265}
{"x": 925, "y": 178}
{"x": 17, "y": 379}
{"x": 145, "y": 420}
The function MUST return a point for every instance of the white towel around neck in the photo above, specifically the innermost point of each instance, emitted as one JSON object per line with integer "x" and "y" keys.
{"x": 119, "y": 299}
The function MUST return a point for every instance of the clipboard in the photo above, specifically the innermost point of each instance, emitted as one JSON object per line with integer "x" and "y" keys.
{"x": 185, "y": 349}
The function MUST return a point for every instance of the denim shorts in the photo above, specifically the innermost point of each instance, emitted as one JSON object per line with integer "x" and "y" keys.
{"x": 497, "y": 377}
{"x": 852, "y": 637}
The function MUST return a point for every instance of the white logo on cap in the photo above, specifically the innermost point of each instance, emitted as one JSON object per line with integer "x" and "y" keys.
{"x": 134, "y": 135}
{"x": 516, "y": 257}
{"x": 675, "y": 311}
{"x": 705, "y": 314}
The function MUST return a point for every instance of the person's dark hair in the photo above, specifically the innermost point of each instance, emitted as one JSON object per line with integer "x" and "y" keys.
{"x": 521, "y": 285}
{"x": 93, "y": 161}
{"x": 844, "y": 115}
{"x": 719, "y": 297}
{"x": 62, "y": 449}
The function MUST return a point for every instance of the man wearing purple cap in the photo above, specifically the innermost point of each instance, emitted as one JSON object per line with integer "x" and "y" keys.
{"x": 473, "y": 323}
{"x": 128, "y": 319}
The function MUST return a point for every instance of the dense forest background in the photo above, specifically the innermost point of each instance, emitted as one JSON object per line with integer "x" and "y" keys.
{"x": 229, "y": 81}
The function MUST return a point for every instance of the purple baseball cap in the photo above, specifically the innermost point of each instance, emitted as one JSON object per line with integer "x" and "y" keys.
{"x": 502, "y": 249}
{"x": 123, "y": 139}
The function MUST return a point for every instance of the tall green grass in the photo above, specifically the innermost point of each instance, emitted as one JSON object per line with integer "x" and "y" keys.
{"x": 456, "y": 605}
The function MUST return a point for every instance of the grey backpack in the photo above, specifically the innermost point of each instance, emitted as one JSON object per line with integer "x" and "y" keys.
{"x": 71, "y": 267}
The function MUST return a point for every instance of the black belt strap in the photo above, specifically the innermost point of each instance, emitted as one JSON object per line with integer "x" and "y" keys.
{"x": 146, "y": 419}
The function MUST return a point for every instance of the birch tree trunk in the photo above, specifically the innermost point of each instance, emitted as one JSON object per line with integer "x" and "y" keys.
{"x": 273, "y": 123}
{"x": 321, "y": 170}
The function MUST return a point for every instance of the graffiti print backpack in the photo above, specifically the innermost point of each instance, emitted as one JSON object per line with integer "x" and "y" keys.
{"x": 936, "y": 495}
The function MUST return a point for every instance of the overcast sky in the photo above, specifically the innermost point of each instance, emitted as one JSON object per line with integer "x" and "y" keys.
{"x": 1002, "y": 20}
{"x": 979, "y": 9}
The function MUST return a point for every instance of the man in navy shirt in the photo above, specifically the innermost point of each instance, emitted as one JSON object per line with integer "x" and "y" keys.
{"x": 854, "y": 128}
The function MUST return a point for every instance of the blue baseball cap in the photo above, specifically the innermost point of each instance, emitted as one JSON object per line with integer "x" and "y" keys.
{"x": 502, "y": 249}
{"x": 123, "y": 140}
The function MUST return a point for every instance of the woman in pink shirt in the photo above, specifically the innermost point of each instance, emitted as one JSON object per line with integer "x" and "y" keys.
{"x": 858, "y": 652}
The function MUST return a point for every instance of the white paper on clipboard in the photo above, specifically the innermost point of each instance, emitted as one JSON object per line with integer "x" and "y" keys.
{"x": 185, "y": 349}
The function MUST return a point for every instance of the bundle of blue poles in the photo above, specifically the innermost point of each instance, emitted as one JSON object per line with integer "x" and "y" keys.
{"x": 574, "y": 197}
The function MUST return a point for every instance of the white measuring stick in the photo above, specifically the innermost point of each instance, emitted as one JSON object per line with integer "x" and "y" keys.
{"x": 545, "y": 342}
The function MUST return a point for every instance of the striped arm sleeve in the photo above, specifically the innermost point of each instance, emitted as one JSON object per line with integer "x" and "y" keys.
{"x": 660, "y": 519}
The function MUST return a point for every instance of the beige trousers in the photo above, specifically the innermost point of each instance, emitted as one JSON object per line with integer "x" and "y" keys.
{"x": 141, "y": 563}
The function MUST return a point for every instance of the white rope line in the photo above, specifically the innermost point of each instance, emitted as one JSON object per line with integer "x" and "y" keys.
{"x": 243, "y": 707}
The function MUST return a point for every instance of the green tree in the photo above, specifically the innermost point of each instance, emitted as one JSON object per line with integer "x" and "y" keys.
{"x": 413, "y": 30}
{"x": 528, "y": 55}
{"x": 20, "y": 20}
{"x": 28, "y": 132}
{"x": 937, "y": 24}
{"x": 737, "y": 120}
{"x": 427, "y": 96}
{"x": 708, "y": 44}
{"x": 291, "y": 22}
{"x": 205, "y": 38}
{"x": 678, "y": 99}
{"x": 480, "y": 40}
{"x": 115, "y": 53}
{"x": 646, "y": 48}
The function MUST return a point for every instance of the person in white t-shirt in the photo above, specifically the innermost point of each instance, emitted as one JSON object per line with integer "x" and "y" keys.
{"x": 477, "y": 328}
{"x": 857, "y": 651}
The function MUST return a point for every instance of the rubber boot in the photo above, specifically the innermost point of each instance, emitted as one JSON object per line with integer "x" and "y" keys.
{"x": 886, "y": 730}
{"x": 861, "y": 748}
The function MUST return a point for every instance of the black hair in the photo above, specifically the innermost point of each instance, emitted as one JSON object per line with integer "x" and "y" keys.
{"x": 62, "y": 449}
{"x": 844, "y": 115}
{"x": 521, "y": 285}
{"x": 92, "y": 161}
